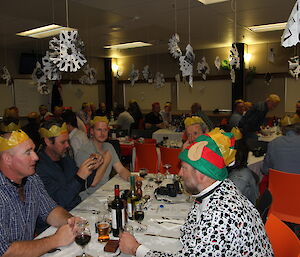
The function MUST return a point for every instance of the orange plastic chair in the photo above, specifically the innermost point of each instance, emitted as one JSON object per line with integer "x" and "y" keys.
{"x": 146, "y": 157}
{"x": 285, "y": 191}
{"x": 284, "y": 241}
{"x": 170, "y": 156}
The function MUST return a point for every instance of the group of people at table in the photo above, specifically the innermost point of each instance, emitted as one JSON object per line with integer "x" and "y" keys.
{"x": 39, "y": 189}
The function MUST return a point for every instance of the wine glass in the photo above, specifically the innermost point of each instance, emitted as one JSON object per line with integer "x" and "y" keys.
{"x": 83, "y": 236}
{"x": 167, "y": 167}
{"x": 139, "y": 216}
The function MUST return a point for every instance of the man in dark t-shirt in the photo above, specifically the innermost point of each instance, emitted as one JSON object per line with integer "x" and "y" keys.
{"x": 154, "y": 120}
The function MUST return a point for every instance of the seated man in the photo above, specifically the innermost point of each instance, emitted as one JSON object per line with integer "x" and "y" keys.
{"x": 154, "y": 120}
{"x": 166, "y": 114}
{"x": 77, "y": 137}
{"x": 283, "y": 152}
{"x": 97, "y": 144}
{"x": 23, "y": 199}
{"x": 221, "y": 222}
{"x": 237, "y": 113}
{"x": 124, "y": 119}
{"x": 59, "y": 173}
{"x": 196, "y": 110}
{"x": 194, "y": 127}
{"x": 85, "y": 113}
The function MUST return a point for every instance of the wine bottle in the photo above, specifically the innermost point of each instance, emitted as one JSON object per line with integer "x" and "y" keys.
{"x": 117, "y": 213}
{"x": 131, "y": 199}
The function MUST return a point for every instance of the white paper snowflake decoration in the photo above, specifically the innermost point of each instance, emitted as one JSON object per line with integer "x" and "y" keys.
{"x": 271, "y": 55}
{"x": 174, "y": 49}
{"x": 146, "y": 72}
{"x": 89, "y": 77}
{"x": 43, "y": 89}
{"x": 234, "y": 59}
{"x": 290, "y": 35}
{"x": 232, "y": 75}
{"x": 218, "y": 62}
{"x": 134, "y": 75}
{"x": 50, "y": 68}
{"x": 186, "y": 63}
{"x": 5, "y": 75}
{"x": 203, "y": 68}
{"x": 159, "y": 80}
{"x": 38, "y": 75}
{"x": 294, "y": 67}
{"x": 68, "y": 57}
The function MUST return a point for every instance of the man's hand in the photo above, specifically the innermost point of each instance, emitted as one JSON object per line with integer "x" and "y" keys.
{"x": 89, "y": 165}
{"x": 98, "y": 160}
{"x": 64, "y": 235}
{"x": 128, "y": 243}
{"x": 72, "y": 223}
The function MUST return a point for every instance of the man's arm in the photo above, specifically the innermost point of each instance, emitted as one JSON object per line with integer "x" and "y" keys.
{"x": 122, "y": 171}
{"x": 34, "y": 248}
{"x": 58, "y": 217}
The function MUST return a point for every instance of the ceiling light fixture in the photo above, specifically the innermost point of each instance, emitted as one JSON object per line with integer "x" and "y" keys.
{"x": 45, "y": 31}
{"x": 268, "y": 27}
{"x": 211, "y": 1}
{"x": 128, "y": 45}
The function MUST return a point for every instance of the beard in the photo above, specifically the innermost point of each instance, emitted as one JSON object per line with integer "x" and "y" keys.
{"x": 191, "y": 189}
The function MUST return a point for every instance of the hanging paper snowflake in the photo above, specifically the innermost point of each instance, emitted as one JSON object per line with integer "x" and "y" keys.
{"x": 38, "y": 74}
{"x": 146, "y": 72}
{"x": 294, "y": 67}
{"x": 50, "y": 68}
{"x": 89, "y": 77}
{"x": 268, "y": 78}
{"x": 134, "y": 75}
{"x": 66, "y": 52}
{"x": 5, "y": 75}
{"x": 43, "y": 89}
{"x": 159, "y": 80}
{"x": 234, "y": 58}
{"x": 218, "y": 62}
{"x": 186, "y": 63}
{"x": 232, "y": 75}
{"x": 291, "y": 33}
{"x": 271, "y": 55}
{"x": 173, "y": 46}
{"x": 203, "y": 68}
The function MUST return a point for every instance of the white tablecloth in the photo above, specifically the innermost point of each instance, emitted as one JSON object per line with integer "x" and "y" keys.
{"x": 156, "y": 211}
{"x": 170, "y": 134}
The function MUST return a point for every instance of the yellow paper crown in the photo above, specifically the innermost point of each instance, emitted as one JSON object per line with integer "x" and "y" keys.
{"x": 10, "y": 127}
{"x": 287, "y": 120}
{"x": 224, "y": 144}
{"x": 54, "y": 131}
{"x": 17, "y": 137}
{"x": 99, "y": 119}
{"x": 192, "y": 120}
{"x": 236, "y": 133}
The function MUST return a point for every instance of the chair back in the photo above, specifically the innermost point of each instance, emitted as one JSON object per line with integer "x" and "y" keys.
{"x": 150, "y": 141}
{"x": 285, "y": 191}
{"x": 284, "y": 241}
{"x": 170, "y": 156}
{"x": 146, "y": 157}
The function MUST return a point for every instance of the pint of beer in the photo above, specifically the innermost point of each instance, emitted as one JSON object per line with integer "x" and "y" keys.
{"x": 103, "y": 231}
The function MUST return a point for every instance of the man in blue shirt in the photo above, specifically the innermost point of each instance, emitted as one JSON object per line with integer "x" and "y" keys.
{"x": 23, "y": 199}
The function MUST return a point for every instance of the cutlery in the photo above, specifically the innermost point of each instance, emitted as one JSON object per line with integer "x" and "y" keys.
{"x": 148, "y": 234}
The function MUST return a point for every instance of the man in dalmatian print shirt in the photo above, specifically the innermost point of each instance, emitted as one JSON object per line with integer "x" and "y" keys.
{"x": 221, "y": 222}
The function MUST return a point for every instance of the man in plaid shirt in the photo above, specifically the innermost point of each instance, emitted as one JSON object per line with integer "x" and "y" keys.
{"x": 23, "y": 199}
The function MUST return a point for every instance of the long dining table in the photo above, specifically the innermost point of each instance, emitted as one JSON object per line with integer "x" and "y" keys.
{"x": 162, "y": 221}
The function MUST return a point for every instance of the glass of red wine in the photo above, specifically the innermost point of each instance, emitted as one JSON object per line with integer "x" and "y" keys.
{"x": 139, "y": 216}
{"x": 83, "y": 236}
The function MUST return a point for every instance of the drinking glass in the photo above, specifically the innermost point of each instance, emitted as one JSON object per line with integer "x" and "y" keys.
{"x": 167, "y": 167}
{"x": 139, "y": 217}
{"x": 83, "y": 236}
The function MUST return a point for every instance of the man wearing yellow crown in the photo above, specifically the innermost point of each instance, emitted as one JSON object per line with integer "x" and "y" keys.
{"x": 283, "y": 152}
{"x": 23, "y": 199}
{"x": 99, "y": 132}
{"x": 58, "y": 171}
{"x": 221, "y": 222}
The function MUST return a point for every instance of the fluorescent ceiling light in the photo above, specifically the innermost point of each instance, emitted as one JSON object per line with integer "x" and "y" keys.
{"x": 268, "y": 27}
{"x": 211, "y": 1}
{"x": 128, "y": 45}
{"x": 45, "y": 31}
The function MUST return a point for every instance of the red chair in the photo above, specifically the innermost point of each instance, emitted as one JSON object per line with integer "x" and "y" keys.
{"x": 150, "y": 141}
{"x": 146, "y": 157}
{"x": 170, "y": 156}
{"x": 285, "y": 191}
{"x": 283, "y": 240}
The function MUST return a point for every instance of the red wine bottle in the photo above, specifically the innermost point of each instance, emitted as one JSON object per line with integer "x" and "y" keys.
{"x": 117, "y": 213}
